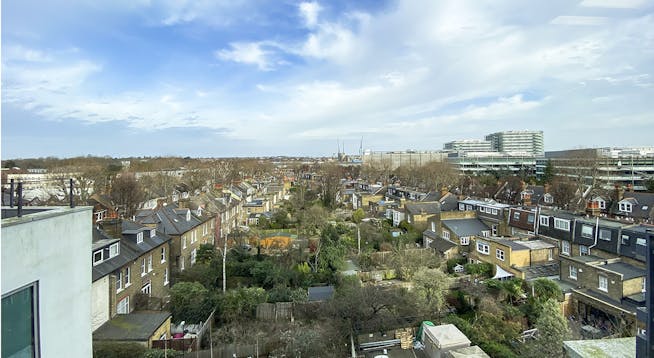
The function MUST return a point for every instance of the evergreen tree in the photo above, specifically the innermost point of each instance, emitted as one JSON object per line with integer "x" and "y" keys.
{"x": 552, "y": 330}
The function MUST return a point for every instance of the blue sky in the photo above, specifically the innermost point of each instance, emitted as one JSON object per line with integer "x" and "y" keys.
{"x": 245, "y": 78}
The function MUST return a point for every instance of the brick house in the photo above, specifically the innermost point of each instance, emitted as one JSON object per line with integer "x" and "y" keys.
{"x": 525, "y": 259}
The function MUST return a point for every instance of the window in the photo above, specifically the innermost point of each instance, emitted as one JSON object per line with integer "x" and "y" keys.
{"x": 602, "y": 204}
{"x": 147, "y": 289}
{"x": 640, "y": 241}
{"x": 150, "y": 263}
{"x": 462, "y": 207}
{"x": 531, "y": 218}
{"x": 128, "y": 278}
{"x": 165, "y": 276}
{"x": 181, "y": 263}
{"x": 193, "y": 253}
{"x": 485, "y": 233}
{"x": 468, "y": 207}
{"x": 20, "y": 323}
{"x": 139, "y": 237}
{"x": 499, "y": 254}
{"x": 464, "y": 240}
{"x": 97, "y": 257}
{"x": 123, "y": 306}
{"x": 481, "y": 209}
{"x": 550, "y": 254}
{"x": 119, "y": 281}
{"x": 562, "y": 224}
{"x": 586, "y": 231}
{"x": 494, "y": 212}
{"x": 565, "y": 247}
{"x": 625, "y": 240}
{"x": 188, "y": 215}
{"x": 494, "y": 229}
{"x": 114, "y": 250}
{"x": 446, "y": 235}
{"x": 205, "y": 230}
{"x": 483, "y": 247}
{"x": 573, "y": 273}
{"x": 605, "y": 234}
{"x": 143, "y": 267}
{"x": 516, "y": 215}
{"x": 625, "y": 207}
{"x": 163, "y": 337}
{"x": 99, "y": 215}
{"x": 153, "y": 232}
{"x": 548, "y": 198}
{"x": 583, "y": 250}
{"x": 603, "y": 283}
{"x": 163, "y": 254}
{"x": 544, "y": 220}
{"x": 183, "y": 242}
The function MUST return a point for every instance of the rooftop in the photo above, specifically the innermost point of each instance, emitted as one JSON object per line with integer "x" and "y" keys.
{"x": 137, "y": 326}
{"x": 600, "y": 348}
{"x": 34, "y": 213}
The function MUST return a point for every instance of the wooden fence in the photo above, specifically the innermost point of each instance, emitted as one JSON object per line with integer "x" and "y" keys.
{"x": 181, "y": 344}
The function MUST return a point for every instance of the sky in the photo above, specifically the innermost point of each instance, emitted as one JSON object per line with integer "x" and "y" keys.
{"x": 214, "y": 78}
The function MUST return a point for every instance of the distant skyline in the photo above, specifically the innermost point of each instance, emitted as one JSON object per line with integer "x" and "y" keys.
{"x": 250, "y": 78}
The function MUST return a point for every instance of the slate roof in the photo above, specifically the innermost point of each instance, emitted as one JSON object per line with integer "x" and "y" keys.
{"x": 322, "y": 293}
{"x": 628, "y": 271}
{"x": 422, "y": 208}
{"x": 136, "y": 326}
{"x": 465, "y": 227}
{"x": 103, "y": 200}
{"x": 515, "y": 245}
{"x": 169, "y": 219}
{"x": 547, "y": 270}
{"x": 129, "y": 249}
{"x": 642, "y": 205}
{"x": 442, "y": 245}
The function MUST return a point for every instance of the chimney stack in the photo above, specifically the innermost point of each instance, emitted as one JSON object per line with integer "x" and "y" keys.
{"x": 619, "y": 192}
{"x": 160, "y": 203}
{"x": 443, "y": 191}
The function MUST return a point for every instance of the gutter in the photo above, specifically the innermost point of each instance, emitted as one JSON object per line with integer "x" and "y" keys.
{"x": 596, "y": 235}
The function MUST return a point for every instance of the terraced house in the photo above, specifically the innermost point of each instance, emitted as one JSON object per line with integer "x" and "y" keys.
{"x": 128, "y": 259}
{"x": 188, "y": 230}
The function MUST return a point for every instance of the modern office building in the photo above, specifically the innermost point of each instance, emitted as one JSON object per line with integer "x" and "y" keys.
{"x": 46, "y": 282}
{"x": 392, "y": 160}
{"x": 517, "y": 142}
{"x": 468, "y": 145}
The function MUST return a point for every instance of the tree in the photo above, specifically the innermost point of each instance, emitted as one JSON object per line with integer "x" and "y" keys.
{"x": 127, "y": 193}
{"x": 357, "y": 216}
{"x": 241, "y": 303}
{"x": 313, "y": 219}
{"x": 649, "y": 183}
{"x": 431, "y": 285}
{"x": 190, "y": 302}
{"x": 552, "y": 331}
{"x": 329, "y": 253}
{"x": 548, "y": 173}
{"x": 563, "y": 191}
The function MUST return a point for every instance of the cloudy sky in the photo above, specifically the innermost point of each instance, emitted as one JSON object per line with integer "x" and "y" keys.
{"x": 242, "y": 78}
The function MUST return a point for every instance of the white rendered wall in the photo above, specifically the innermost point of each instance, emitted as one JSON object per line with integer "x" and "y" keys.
{"x": 53, "y": 248}
{"x": 100, "y": 302}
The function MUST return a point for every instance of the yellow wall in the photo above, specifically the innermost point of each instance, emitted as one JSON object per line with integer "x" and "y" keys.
{"x": 164, "y": 328}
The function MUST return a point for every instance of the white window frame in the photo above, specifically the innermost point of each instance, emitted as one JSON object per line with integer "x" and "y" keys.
{"x": 139, "y": 237}
{"x": 572, "y": 272}
{"x": 485, "y": 233}
{"x": 464, "y": 240}
{"x": 494, "y": 229}
{"x": 122, "y": 307}
{"x": 143, "y": 272}
{"x": 603, "y": 283}
{"x": 640, "y": 241}
{"x": 550, "y": 254}
{"x": 494, "y": 211}
{"x": 483, "y": 248}
{"x": 643, "y": 288}
{"x": 182, "y": 265}
{"x": 147, "y": 289}
{"x": 165, "y": 283}
{"x": 115, "y": 248}
{"x": 128, "y": 276}
{"x": 586, "y": 231}
{"x": 624, "y": 239}
{"x": 548, "y": 198}
{"x": 602, "y": 204}
{"x": 584, "y": 250}
{"x": 183, "y": 242}
{"x": 565, "y": 248}
{"x": 604, "y": 237}
{"x": 516, "y": 215}
{"x": 119, "y": 281}
{"x": 153, "y": 232}
{"x": 625, "y": 207}
{"x": 193, "y": 256}
{"x": 544, "y": 220}
{"x": 446, "y": 235}
{"x": 462, "y": 207}
{"x": 562, "y": 224}
{"x": 95, "y": 260}
{"x": 150, "y": 263}
{"x": 163, "y": 254}
{"x": 499, "y": 254}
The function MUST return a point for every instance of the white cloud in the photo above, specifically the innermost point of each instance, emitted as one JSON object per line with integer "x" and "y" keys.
{"x": 20, "y": 53}
{"x": 580, "y": 20}
{"x": 309, "y": 12}
{"x": 619, "y": 4}
{"x": 251, "y": 53}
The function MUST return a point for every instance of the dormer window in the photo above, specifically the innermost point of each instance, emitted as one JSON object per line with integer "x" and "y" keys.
{"x": 139, "y": 237}
{"x": 548, "y": 198}
{"x": 153, "y": 232}
{"x": 625, "y": 207}
{"x": 601, "y": 203}
{"x": 188, "y": 215}
{"x": 114, "y": 250}
{"x": 98, "y": 257}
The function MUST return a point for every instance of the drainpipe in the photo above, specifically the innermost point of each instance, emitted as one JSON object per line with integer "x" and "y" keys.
{"x": 19, "y": 212}
{"x": 537, "y": 220}
{"x": 596, "y": 234}
{"x": 11, "y": 194}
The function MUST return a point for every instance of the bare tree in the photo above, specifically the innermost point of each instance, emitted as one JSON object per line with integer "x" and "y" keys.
{"x": 127, "y": 193}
